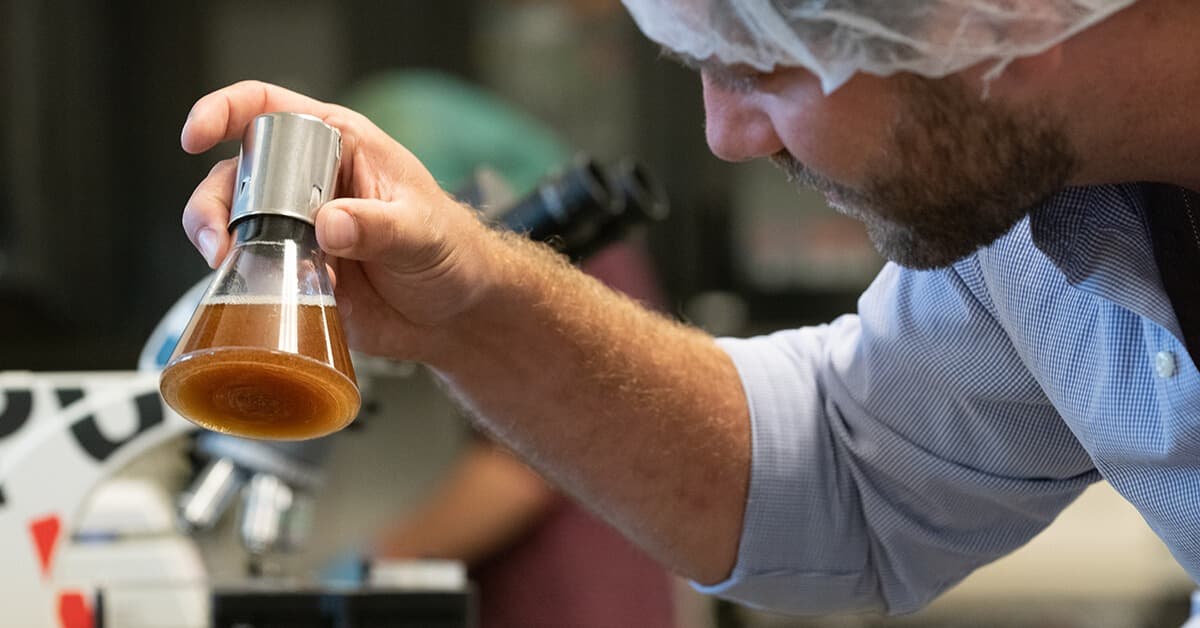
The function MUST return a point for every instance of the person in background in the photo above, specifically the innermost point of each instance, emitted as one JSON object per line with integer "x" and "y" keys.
{"x": 537, "y": 557}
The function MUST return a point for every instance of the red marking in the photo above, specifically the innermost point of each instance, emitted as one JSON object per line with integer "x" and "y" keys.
{"x": 45, "y": 538}
{"x": 73, "y": 611}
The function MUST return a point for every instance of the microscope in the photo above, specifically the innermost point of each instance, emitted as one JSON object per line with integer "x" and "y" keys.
{"x": 82, "y": 551}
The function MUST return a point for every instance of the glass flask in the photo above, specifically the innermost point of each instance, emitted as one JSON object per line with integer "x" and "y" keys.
{"x": 264, "y": 355}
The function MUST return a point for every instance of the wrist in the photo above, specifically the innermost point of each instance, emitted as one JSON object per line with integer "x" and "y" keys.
{"x": 509, "y": 299}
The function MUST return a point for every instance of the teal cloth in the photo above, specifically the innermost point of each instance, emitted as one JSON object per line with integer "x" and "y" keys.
{"x": 454, "y": 127}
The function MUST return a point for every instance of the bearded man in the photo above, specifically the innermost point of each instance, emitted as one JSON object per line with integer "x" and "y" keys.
{"x": 1030, "y": 168}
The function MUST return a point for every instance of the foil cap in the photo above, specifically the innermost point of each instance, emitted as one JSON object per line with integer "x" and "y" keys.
{"x": 288, "y": 166}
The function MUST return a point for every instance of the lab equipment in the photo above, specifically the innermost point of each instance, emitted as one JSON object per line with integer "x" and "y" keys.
{"x": 585, "y": 207}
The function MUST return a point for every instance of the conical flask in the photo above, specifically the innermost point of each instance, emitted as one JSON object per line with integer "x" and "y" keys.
{"x": 264, "y": 355}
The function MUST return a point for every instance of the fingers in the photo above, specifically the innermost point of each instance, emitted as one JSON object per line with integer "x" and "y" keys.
{"x": 344, "y": 228}
{"x": 224, "y": 114}
{"x": 368, "y": 231}
{"x": 404, "y": 235}
{"x": 206, "y": 214}
{"x": 331, "y": 270}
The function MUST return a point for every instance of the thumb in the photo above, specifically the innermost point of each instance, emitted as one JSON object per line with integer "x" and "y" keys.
{"x": 406, "y": 237}
{"x": 338, "y": 231}
{"x": 398, "y": 234}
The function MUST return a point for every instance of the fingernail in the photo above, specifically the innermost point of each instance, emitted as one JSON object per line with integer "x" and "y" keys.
{"x": 341, "y": 230}
{"x": 183, "y": 131}
{"x": 187, "y": 125}
{"x": 208, "y": 244}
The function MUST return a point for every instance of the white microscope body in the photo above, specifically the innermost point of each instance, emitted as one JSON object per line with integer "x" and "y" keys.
{"x": 61, "y": 434}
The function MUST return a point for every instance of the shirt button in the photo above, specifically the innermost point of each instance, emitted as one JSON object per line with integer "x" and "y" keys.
{"x": 1164, "y": 364}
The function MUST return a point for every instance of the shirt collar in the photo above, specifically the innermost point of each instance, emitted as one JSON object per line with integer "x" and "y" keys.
{"x": 1098, "y": 237}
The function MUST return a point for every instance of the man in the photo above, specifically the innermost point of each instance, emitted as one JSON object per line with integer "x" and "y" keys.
{"x": 1024, "y": 345}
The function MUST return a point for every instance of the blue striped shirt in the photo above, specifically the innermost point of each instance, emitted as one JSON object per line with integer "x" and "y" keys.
{"x": 960, "y": 410}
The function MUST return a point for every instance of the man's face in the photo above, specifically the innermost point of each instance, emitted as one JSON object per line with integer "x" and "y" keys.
{"x": 933, "y": 170}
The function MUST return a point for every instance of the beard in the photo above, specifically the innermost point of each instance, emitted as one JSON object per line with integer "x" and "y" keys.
{"x": 961, "y": 173}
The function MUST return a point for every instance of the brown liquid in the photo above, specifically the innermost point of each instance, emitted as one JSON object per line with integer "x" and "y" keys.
{"x": 254, "y": 369}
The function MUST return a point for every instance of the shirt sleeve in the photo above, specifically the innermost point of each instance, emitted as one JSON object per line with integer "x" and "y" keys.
{"x": 894, "y": 451}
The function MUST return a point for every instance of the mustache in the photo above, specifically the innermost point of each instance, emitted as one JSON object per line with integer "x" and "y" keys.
{"x": 803, "y": 176}
{"x": 796, "y": 171}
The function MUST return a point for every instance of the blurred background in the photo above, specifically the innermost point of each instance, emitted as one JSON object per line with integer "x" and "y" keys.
{"x": 94, "y": 180}
{"x": 92, "y": 255}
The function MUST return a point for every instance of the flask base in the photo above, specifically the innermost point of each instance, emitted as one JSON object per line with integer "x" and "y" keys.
{"x": 259, "y": 393}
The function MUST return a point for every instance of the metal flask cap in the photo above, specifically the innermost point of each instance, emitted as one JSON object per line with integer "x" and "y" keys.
{"x": 288, "y": 166}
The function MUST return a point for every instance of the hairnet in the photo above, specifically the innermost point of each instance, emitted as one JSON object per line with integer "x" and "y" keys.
{"x": 836, "y": 38}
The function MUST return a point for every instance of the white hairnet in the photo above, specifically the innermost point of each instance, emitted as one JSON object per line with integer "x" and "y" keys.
{"x": 836, "y": 38}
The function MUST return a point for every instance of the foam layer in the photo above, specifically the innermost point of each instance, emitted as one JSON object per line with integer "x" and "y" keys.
{"x": 323, "y": 300}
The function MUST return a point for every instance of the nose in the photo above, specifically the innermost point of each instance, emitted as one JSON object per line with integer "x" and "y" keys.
{"x": 736, "y": 125}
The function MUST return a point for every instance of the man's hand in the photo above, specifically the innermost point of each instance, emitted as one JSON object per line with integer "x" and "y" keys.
{"x": 641, "y": 419}
{"x": 411, "y": 258}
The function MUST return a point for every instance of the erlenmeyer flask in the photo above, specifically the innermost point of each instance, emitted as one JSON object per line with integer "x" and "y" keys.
{"x": 264, "y": 356}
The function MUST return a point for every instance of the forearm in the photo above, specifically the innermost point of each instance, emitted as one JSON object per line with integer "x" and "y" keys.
{"x": 642, "y": 419}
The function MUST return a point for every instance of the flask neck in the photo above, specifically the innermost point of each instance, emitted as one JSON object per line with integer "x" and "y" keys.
{"x": 274, "y": 228}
